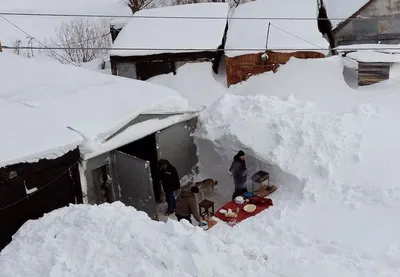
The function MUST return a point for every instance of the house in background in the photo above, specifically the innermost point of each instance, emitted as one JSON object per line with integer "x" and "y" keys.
{"x": 375, "y": 21}
{"x": 257, "y": 46}
{"x": 162, "y": 42}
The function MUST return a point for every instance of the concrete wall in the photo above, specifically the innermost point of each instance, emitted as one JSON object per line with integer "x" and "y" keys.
{"x": 369, "y": 30}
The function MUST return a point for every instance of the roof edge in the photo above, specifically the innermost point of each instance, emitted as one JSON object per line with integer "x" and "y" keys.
{"x": 344, "y": 23}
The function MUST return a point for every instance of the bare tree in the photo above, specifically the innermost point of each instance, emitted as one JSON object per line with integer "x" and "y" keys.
{"x": 137, "y": 5}
{"x": 81, "y": 41}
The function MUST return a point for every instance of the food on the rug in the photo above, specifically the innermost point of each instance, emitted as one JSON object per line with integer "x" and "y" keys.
{"x": 230, "y": 214}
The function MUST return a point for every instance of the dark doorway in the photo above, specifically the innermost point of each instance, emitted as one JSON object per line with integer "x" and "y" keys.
{"x": 146, "y": 149}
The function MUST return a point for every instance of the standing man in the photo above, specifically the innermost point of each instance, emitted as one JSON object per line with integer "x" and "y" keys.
{"x": 238, "y": 170}
{"x": 170, "y": 182}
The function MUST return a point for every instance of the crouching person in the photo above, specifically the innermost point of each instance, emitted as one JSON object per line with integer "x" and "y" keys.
{"x": 186, "y": 205}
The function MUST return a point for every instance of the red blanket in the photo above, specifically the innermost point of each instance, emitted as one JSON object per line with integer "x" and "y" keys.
{"x": 261, "y": 204}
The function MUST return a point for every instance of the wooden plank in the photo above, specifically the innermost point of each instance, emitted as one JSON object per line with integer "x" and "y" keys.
{"x": 372, "y": 73}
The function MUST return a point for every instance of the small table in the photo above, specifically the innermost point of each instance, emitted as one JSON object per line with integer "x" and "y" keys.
{"x": 206, "y": 205}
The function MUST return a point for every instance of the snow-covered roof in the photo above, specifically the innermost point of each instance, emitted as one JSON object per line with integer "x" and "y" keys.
{"x": 374, "y": 57}
{"x": 384, "y": 48}
{"x": 28, "y": 136}
{"x": 170, "y": 35}
{"x": 96, "y": 105}
{"x": 248, "y": 34}
{"x": 138, "y": 131}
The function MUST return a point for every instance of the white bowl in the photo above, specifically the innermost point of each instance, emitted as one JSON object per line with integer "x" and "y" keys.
{"x": 239, "y": 200}
{"x": 223, "y": 211}
{"x": 250, "y": 208}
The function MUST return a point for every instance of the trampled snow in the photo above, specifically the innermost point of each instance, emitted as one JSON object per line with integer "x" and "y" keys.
{"x": 248, "y": 34}
{"x": 170, "y": 35}
{"x": 95, "y": 105}
{"x": 115, "y": 240}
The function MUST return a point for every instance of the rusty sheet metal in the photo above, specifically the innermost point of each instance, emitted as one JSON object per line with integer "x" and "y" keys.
{"x": 242, "y": 67}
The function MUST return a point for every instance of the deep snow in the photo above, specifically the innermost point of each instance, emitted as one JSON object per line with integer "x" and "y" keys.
{"x": 332, "y": 151}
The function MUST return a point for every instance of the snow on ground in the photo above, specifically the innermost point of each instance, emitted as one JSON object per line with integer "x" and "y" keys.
{"x": 245, "y": 35}
{"x": 322, "y": 143}
{"x": 170, "y": 35}
{"x": 114, "y": 240}
{"x": 332, "y": 151}
{"x": 196, "y": 82}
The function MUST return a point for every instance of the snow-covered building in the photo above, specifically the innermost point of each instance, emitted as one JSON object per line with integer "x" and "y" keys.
{"x": 368, "y": 21}
{"x": 158, "y": 41}
{"x": 63, "y": 126}
{"x": 375, "y": 62}
{"x": 258, "y": 43}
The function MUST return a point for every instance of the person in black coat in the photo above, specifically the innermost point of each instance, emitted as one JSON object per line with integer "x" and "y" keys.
{"x": 238, "y": 170}
{"x": 170, "y": 182}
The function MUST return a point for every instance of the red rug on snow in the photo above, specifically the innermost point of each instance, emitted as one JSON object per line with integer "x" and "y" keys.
{"x": 261, "y": 205}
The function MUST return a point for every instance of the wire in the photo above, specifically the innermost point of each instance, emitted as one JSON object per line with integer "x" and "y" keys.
{"x": 48, "y": 184}
{"x": 188, "y": 17}
{"x": 40, "y": 43}
{"x": 300, "y": 38}
{"x": 200, "y": 49}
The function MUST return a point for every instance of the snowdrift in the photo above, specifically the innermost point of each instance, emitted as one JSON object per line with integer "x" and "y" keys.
{"x": 305, "y": 121}
{"x": 115, "y": 240}
{"x": 196, "y": 82}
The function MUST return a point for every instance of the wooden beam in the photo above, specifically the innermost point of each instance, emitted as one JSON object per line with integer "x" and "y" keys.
{"x": 1, "y": 48}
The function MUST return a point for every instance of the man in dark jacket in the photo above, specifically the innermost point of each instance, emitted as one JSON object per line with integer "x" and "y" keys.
{"x": 186, "y": 205}
{"x": 239, "y": 173}
{"x": 170, "y": 182}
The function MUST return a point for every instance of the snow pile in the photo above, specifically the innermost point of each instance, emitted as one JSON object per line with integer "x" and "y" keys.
{"x": 196, "y": 82}
{"x": 115, "y": 240}
{"x": 318, "y": 130}
{"x": 169, "y": 35}
{"x": 247, "y": 34}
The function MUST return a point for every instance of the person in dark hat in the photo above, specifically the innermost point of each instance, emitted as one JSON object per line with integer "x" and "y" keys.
{"x": 170, "y": 182}
{"x": 238, "y": 170}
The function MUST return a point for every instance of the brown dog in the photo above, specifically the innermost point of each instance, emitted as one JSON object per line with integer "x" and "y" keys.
{"x": 207, "y": 186}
